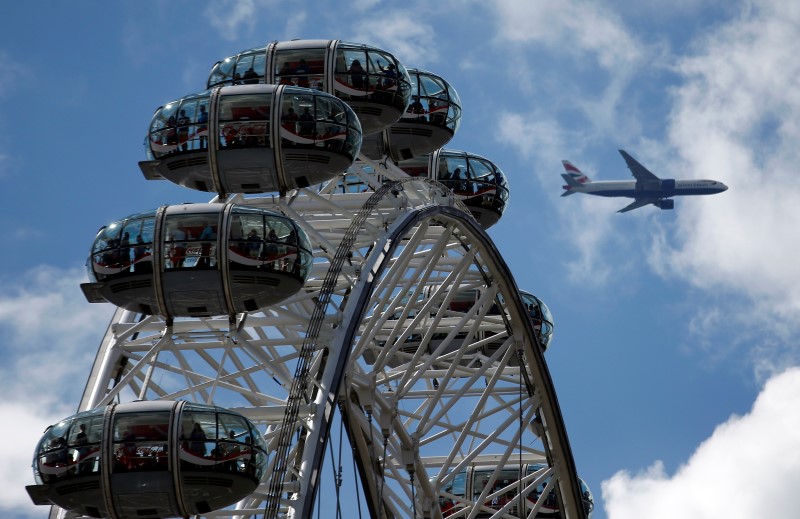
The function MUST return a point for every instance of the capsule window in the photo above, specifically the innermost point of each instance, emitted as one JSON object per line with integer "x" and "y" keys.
{"x": 250, "y": 68}
{"x": 256, "y": 437}
{"x": 298, "y": 120}
{"x": 384, "y": 68}
{"x": 105, "y": 251}
{"x": 247, "y": 235}
{"x": 198, "y": 437}
{"x": 140, "y": 441}
{"x": 55, "y": 437}
{"x": 479, "y": 481}
{"x": 84, "y": 443}
{"x": 235, "y": 446}
{"x": 454, "y": 173}
{"x": 187, "y": 129}
{"x": 304, "y": 68}
{"x": 431, "y": 87}
{"x": 331, "y": 123}
{"x": 164, "y": 137}
{"x": 263, "y": 241}
{"x": 244, "y": 121}
{"x": 482, "y": 171}
{"x": 190, "y": 241}
{"x": 435, "y": 98}
{"x": 107, "y": 238}
{"x": 351, "y": 70}
{"x": 223, "y": 72}
{"x": 233, "y": 428}
{"x": 141, "y": 240}
{"x": 459, "y": 485}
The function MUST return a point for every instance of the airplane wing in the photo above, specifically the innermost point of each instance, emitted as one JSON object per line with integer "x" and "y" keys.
{"x": 641, "y": 173}
{"x": 636, "y": 204}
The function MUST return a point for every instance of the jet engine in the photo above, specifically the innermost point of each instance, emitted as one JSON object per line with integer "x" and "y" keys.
{"x": 666, "y": 203}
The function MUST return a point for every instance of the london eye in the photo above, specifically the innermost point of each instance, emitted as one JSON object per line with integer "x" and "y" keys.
{"x": 341, "y": 277}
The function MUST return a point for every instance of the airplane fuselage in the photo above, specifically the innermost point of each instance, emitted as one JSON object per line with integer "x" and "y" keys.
{"x": 646, "y": 189}
{"x": 630, "y": 189}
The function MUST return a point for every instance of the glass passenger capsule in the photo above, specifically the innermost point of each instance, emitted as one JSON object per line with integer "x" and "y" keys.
{"x": 537, "y": 488}
{"x": 541, "y": 318}
{"x": 252, "y": 139}
{"x": 373, "y": 82}
{"x": 477, "y": 181}
{"x": 197, "y": 260}
{"x": 430, "y": 121}
{"x": 148, "y": 459}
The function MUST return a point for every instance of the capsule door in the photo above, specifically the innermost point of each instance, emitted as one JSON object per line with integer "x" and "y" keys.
{"x": 140, "y": 479}
{"x": 191, "y": 281}
{"x": 245, "y": 152}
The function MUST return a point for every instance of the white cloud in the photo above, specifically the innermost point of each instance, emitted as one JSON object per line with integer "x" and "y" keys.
{"x": 12, "y": 74}
{"x": 296, "y": 23}
{"x": 49, "y": 330}
{"x": 231, "y": 18}
{"x": 405, "y": 34}
{"x": 589, "y": 34}
{"x": 364, "y": 5}
{"x": 749, "y": 467}
{"x": 576, "y": 27}
{"x": 19, "y": 440}
{"x": 735, "y": 119}
{"x": 49, "y": 336}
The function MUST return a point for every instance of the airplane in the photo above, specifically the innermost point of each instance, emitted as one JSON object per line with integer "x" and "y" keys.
{"x": 646, "y": 189}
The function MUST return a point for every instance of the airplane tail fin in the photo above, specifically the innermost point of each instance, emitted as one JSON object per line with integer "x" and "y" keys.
{"x": 573, "y": 177}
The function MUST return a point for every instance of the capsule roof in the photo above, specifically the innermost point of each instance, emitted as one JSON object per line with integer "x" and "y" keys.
{"x": 372, "y": 81}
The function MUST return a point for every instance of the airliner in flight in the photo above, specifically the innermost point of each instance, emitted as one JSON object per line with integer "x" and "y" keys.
{"x": 646, "y": 189}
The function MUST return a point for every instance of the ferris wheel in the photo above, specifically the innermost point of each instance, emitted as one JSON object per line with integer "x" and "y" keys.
{"x": 364, "y": 295}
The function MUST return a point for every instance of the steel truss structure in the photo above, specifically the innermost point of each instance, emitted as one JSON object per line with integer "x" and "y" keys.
{"x": 410, "y": 331}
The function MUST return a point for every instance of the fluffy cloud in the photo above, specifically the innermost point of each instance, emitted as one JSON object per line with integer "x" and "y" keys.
{"x": 590, "y": 35}
{"x": 405, "y": 34}
{"x": 19, "y": 442}
{"x": 231, "y": 18}
{"x": 48, "y": 338}
{"x": 50, "y": 333}
{"x": 735, "y": 119}
{"x": 578, "y": 27}
{"x": 749, "y": 467}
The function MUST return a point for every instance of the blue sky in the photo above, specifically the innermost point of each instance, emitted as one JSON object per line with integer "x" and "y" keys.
{"x": 675, "y": 356}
